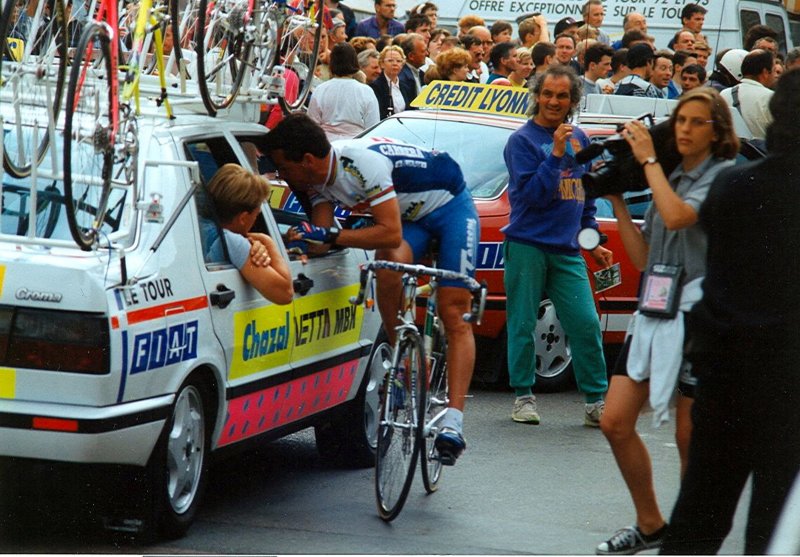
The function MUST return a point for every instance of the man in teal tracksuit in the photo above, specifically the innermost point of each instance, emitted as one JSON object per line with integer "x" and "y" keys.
{"x": 548, "y": 208}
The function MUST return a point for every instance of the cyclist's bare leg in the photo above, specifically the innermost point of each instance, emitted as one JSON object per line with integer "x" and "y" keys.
{"x": 390, "y": 285}
{"x": 453, "y": 304}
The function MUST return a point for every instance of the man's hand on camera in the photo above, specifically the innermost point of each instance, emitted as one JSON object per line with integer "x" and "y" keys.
{"x": 603, "y": 257}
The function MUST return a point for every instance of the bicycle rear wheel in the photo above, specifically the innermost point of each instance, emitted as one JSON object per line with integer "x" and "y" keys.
{"x": 223, "y": 51}
{"x": 88, "y": 135}
{"x": 299, "y": 38}
{"x": 33, "y": 54}
{"x": 398, "y": 438}
{"x": 435, "y": 401}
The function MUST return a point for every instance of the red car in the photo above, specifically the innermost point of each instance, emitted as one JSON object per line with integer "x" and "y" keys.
{"x": 476, "y": 142}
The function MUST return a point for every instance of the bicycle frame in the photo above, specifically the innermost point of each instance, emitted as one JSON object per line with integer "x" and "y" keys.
{"x": 108, "y": 11}
{"x": 131, "y": 88}
{"x": 108, "y": 15}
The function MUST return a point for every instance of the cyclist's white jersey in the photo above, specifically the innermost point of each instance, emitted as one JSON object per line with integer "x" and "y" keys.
{"x": 371, "y": 170}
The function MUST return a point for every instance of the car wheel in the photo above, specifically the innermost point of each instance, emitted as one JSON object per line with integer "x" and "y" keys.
{"x": 177, "y": 470}
{"x": 349, "y": 439}
{"x": 553, "y": 353}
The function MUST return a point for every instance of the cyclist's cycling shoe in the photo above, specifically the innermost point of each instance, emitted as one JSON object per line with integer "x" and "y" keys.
{"x": 449, "y": 444}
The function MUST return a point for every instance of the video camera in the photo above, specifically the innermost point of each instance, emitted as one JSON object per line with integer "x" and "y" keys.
{"x": 623, "y": 172}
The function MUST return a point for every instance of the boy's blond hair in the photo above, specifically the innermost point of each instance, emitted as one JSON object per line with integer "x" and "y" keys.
{"x": 234, "y": 190}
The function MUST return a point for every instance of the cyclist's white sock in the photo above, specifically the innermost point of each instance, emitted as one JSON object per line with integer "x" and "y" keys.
{"x": 454, "y": 419}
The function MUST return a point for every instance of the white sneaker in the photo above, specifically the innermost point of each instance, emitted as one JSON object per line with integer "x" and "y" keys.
{"x": 525, "y": 410}
{"x": 593, "y": 412}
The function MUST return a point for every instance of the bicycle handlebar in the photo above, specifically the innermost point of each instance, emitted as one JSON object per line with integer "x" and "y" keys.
{"x": 478, "y": 289}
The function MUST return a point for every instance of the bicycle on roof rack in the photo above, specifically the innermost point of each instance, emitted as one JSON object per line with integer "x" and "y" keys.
{"x": 241, "y": 42}
{"x": 100, "y": 132}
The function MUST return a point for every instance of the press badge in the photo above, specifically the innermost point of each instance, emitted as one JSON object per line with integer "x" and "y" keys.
{"x": 661, "y": 294}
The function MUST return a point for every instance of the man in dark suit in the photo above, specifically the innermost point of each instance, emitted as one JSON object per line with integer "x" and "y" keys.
{"x": 415, "y": 48}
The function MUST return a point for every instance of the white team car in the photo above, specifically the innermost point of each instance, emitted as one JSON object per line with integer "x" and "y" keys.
{"x": 144, "y": 354}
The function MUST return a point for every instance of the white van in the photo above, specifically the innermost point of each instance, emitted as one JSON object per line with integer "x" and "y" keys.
{"x": 725, "y": 25}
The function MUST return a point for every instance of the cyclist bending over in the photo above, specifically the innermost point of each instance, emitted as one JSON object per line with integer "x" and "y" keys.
{"x": 413, "y": 195}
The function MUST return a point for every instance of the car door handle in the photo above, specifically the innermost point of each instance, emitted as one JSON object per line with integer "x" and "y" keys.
{"x": 302, "y": 284}
{"x": 222, "y": 296}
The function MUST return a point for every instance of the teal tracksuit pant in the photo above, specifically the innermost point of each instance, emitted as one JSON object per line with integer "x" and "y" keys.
{"x": 529, "y": 272}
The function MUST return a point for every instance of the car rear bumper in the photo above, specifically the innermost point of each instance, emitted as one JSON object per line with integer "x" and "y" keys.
{"x": 119, "y": 434}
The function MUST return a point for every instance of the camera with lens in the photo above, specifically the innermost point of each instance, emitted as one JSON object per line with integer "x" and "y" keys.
{"x": 622, "y": 172}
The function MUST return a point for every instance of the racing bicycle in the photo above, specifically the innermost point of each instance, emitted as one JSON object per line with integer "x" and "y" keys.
{"x": 414, "y": 395}
{"x": 100, "y": 132}
{"x": 239, "y": 43}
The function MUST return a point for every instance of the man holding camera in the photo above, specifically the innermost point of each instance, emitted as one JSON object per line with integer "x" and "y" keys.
{"x": 548, "y": 209}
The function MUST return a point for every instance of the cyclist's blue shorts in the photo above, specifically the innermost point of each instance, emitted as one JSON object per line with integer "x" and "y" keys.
{"x": 456, "y": 226}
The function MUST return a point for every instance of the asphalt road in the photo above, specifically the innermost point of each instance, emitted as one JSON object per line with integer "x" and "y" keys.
{"x": 547, "y": 489}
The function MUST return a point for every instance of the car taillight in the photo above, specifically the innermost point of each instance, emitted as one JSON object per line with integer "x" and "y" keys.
{"x": 54, "y": 340}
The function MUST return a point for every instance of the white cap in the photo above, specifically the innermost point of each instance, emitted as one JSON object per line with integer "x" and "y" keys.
{"x": 732, "y": 62}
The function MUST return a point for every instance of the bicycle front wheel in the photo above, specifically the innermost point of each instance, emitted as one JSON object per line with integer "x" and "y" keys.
{"x": 89, "y": 135}
{"x": 398, "y": 438}
{"x": 299, "y": 37}
{"x": 223, "y": 50}
{"x": 435, "y": 402}
{"x": 33, "y": 54}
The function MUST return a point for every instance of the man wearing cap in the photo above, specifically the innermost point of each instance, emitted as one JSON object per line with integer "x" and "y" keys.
{"x": 752, "y": 95}
{"x": 382, "y": 23}
{"x": 728, "y": 71}
{"x": 641, "y": 59}
{"x": 566, "y": 26}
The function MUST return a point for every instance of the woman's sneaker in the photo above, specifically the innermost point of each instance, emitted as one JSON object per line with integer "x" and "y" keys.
{"x": 631, "y": 540}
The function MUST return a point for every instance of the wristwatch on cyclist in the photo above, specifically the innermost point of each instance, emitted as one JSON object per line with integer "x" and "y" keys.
{"x": 333, "y": 235}
{"x": 649, "y": 160}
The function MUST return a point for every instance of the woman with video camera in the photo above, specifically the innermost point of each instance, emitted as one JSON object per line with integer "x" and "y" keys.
{"x": 671, "y": 247}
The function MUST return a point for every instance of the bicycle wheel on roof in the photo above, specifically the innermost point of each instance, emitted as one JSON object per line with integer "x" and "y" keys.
{"x": 223, "y": 50}
{"x": 89, "y": 135}
{"x": 299, "y": 38}
{"x": 33, "y": 58}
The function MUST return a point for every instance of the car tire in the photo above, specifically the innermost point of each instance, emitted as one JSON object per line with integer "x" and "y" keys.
{"x": 349, "y": 438}
{"x": 178, "y": 468}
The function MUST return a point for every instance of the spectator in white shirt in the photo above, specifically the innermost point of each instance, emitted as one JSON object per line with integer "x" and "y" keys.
{"x": 752, "y": 95}
{"x": 343, "y": 106}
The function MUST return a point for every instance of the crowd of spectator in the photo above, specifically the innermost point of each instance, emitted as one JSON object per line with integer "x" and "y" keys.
{"x": 397, "y": 59}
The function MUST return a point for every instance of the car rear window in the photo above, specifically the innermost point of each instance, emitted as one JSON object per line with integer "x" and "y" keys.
{"x": 477, "y": 148}
{"x": 49, "y": 209}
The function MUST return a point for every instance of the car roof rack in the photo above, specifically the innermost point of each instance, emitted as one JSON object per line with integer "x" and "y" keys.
{"x": 184, "y": 98}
